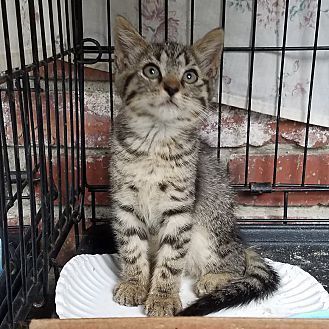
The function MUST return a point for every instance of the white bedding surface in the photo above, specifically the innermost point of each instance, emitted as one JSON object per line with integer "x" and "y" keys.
{"x": 84, "y": 290}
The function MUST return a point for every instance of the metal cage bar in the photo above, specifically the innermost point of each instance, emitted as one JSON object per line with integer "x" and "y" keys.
{"x": 283, "y": 54}
{"x": 250, "y": 85}
{"x": 309, "y": 106}
{"x": 44, "y": 140}
{"x": 220, "y": 85}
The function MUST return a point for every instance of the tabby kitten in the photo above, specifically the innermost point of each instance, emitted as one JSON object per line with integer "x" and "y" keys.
{"x": 173, "y": 210}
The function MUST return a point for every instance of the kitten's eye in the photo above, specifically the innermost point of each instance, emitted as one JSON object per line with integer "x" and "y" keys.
{"x": 151, "y": 71}
{"x": 190, "y": 76}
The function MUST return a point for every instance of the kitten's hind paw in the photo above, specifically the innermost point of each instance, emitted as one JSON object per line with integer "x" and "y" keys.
{"x": 129, "y": 293}
{"x": 157, "y": 305}
{"x": 211, "y": 282}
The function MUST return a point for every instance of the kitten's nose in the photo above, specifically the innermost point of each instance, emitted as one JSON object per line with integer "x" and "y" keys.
{"x": 171, "y": 85}
{"x": 171, "y": 90}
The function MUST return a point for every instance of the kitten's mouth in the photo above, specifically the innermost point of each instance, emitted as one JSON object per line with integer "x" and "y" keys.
{"x": 170, "y": 102}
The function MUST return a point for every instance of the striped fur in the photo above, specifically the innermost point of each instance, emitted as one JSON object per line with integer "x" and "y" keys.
{"x": 173, "y": 209}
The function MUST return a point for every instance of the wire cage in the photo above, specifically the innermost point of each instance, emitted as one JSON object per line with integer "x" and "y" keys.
{"x": 43, "y": 163}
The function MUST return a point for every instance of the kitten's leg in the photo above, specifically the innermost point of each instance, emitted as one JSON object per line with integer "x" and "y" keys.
{"x": 133, "y": 251}
{"x": 212, "y": 281}
{"x": 163, "y": 298}
{"x": 228, "y": 264}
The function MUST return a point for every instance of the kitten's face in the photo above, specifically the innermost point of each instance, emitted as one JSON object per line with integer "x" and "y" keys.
{"x": 165, "y": 81}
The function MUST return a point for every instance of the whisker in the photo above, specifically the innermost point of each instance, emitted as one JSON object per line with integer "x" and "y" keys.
{"x": 135, "y": 151}
{"x": 197, "y": 108}
{"x": 145, "y": 138}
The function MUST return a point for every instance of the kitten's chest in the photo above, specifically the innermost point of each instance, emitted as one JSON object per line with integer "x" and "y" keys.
{"x": 152, "y": 179}
{"x": 150, "y": 173}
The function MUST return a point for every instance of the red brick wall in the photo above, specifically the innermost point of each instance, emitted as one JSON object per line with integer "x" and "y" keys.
{"x": 234, "y": 122}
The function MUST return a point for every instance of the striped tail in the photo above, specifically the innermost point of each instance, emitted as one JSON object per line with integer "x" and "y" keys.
{"x": 260, "y": 281}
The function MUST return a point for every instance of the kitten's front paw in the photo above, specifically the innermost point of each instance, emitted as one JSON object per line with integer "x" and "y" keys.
{"x": 129, "y": 294}
{"x": 157, "y": 305}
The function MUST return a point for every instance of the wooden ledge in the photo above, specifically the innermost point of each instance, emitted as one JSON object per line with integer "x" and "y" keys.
{"x": 181, "y": 323}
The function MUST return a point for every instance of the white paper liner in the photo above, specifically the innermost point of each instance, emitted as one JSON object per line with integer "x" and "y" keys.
{"x": 84, "y": 290}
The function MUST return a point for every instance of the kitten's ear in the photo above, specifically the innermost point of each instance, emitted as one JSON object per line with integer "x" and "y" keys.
{"x": 209, "y": 50}
{"x": 128, "y": 42}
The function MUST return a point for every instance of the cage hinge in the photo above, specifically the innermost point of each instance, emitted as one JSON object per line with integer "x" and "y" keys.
{"x": 259, "y": 188}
